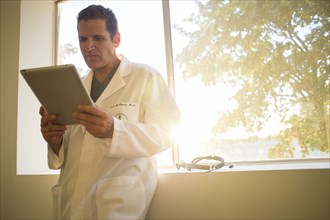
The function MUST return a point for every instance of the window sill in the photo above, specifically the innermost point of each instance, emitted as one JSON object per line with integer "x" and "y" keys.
{"x": 301, "y": 164}
{"x": 272, "y": 165}
{"x": 42, "y": 172}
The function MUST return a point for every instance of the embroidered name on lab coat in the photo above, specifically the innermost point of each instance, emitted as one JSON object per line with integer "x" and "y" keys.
{"x": 125, "y": 111}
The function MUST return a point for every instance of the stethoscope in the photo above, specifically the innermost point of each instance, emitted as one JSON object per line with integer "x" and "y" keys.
{"x": 208, "y": 167}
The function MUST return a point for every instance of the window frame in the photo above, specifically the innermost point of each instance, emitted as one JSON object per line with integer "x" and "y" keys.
{"x": 278, "y": 164}
{"x": 316, "y": 163}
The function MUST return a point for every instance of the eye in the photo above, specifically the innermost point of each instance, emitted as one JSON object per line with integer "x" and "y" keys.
{"x": 82, "y": 39}
{"x": 98, "y": 38}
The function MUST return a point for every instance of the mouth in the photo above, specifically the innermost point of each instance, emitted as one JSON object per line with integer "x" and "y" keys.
{"x": 91, "y": 56}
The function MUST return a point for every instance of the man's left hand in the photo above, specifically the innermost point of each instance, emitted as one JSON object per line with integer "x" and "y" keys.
{"x": 96, "y": 121}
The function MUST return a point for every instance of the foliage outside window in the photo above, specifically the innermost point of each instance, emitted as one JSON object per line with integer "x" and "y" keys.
{"x": 274, "y": 55}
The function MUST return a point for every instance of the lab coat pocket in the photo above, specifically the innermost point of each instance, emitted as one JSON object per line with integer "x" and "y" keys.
{"x": 121, "y": 197}
{"x": 56, "y": 192}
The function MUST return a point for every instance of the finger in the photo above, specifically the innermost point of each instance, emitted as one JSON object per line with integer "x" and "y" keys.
{"x": 53, "y": 138}
{"x": 93, "y": 110}
{"x": 53, "y": 128}
{"x": 46, "y": 119}
{"x": 85, "y": 119}
{"x": 49, "y": 134}
{"x": 89, "y": 115}
{"x": 42, "y": 111}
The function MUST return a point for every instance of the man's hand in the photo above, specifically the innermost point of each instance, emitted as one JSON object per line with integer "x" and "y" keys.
{"x": 96, "y": 121}
{"x": 52, "y": 133}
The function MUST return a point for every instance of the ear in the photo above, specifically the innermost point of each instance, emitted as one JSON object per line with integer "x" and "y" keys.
{"x": 116, "y": 40}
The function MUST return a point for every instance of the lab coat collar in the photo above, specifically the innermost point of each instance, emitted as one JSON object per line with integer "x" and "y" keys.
{"x": 116, "y": 83}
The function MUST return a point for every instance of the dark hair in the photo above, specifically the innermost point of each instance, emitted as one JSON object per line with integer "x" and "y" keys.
{"x": 99, "y": 12}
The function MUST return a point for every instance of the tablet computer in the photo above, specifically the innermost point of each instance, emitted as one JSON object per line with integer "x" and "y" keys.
{"x": 59, "y": 89}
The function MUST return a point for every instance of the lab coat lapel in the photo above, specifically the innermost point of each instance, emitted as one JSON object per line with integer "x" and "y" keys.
{"x": 87, "y": 80}
{"x": 115, "y": 84}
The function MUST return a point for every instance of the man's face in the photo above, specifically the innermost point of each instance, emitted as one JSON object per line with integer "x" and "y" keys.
{"x": 96, "y": 45}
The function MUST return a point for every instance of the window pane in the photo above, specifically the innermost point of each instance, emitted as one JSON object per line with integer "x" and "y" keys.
{"x": 140, "y": 24}
{"x": 142, "y": 36}
{"x": 252, "y": 78}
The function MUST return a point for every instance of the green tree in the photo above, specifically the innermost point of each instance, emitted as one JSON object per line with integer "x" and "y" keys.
{"x": 66, "y": 51}
{"x": 276, "y": 53}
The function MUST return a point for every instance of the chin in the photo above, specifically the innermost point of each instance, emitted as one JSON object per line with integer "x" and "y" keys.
{"x": 92, "y": 65}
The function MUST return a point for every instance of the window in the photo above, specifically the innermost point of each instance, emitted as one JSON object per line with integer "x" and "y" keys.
{"x": 251, "y": 77}
{"x": 138, "y": 42}
{"x": 257, "y": 74}
{"x": 142, "y": 36}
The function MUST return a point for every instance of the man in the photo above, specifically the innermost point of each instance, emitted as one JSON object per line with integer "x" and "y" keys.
{"x": 107, "y": 161}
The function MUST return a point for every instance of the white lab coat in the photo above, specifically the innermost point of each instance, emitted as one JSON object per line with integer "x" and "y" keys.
{"x": 115, "y": 178}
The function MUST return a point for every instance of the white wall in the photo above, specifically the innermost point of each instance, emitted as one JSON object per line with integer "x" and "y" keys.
{"x": 37, "y": 34}
{"x": 291, "y": 194}
{"x": 22, "y": 197}
{"x": 295, "y": 194}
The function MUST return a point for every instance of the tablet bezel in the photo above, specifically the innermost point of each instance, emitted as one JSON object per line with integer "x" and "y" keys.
{"x": 59, "y": 89}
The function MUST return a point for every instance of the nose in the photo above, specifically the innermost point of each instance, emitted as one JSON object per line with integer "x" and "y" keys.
{"x": 89, "y": 45}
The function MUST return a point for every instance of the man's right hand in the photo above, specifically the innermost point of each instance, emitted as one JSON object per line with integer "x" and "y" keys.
{"x": 52, "y": 133}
